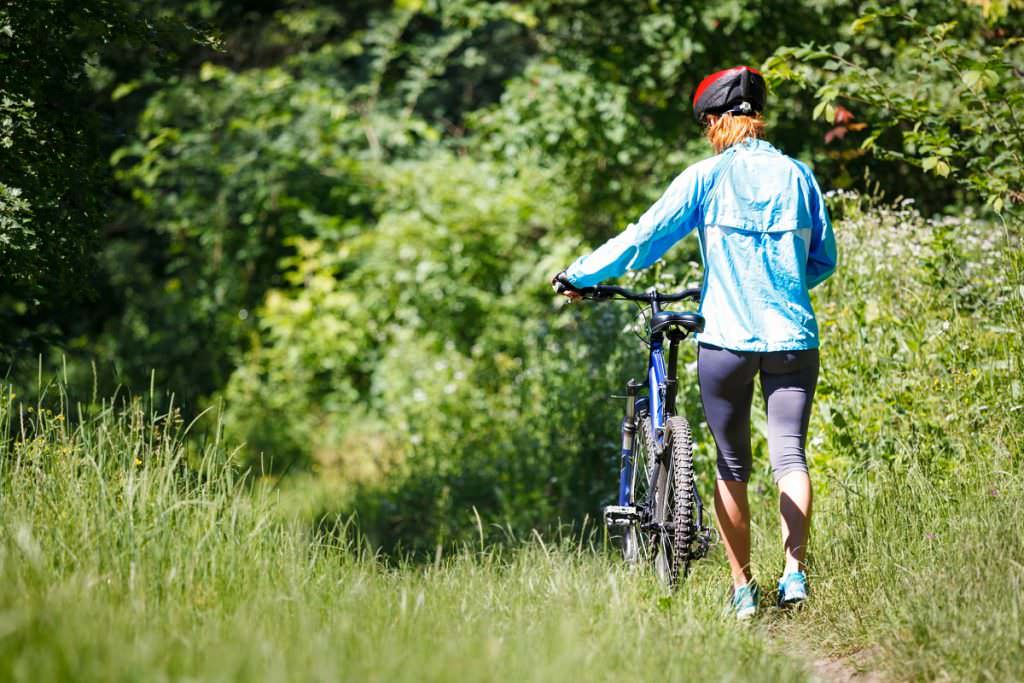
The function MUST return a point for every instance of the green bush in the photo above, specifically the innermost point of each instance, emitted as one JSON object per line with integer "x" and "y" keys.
{"x": 920, "y": 339}
{"x": 939, "y": 89}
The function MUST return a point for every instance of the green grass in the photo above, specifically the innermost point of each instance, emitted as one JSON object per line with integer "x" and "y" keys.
{"x": 118, "y": 562}
{"x": 925, "y": 575}
{"x": 127, "y": 553}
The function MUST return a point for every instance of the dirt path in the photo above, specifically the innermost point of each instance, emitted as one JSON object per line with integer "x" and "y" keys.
{"x": 849, "y": 669}
{"x": 856, "y": 667}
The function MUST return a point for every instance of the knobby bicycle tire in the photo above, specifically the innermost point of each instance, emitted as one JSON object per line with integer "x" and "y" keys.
{"x": 676, "y": 546}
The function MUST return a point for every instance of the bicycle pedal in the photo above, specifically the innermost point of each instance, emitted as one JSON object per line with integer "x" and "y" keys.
{"x": 620, "y": 515}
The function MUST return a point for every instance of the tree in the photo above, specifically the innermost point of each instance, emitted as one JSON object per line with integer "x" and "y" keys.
{"x": 54, "y": 179}
{"x": 936, "y": 90}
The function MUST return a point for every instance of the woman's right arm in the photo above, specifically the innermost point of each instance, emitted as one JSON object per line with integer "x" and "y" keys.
{"x": 642, "y": 243}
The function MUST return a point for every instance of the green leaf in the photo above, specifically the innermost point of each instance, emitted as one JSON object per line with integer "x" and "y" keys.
{"x": 124, "y": 90}
{"x": 860, "y": 23}
{"x": 522, "y": 16}
{"x": 971, "y": 78}
{"x": 929, "y": 163}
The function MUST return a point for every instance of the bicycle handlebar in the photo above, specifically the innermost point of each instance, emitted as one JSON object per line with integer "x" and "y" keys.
{"x": 606, "y": 292}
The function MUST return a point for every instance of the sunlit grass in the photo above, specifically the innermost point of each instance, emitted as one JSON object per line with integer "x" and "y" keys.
{"x": 118, "y": 562}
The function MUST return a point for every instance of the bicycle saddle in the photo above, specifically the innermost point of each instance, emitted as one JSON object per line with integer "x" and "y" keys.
{"x": 688, "y": 320}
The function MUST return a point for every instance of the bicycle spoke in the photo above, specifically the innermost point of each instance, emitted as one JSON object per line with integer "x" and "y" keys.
{"x": 638, "y": 548}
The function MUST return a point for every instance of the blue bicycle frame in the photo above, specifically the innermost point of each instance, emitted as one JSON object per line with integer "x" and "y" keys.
{"x": 660, "y": 399}
{"x": 662, "y": 525}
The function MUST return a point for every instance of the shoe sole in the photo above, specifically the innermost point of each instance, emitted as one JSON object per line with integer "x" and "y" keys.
{"x": 792, "y": 603}
{"x": 746, "y": 614}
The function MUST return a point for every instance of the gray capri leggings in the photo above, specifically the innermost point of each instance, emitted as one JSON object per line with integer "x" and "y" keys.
{"x": 788, "y": 379}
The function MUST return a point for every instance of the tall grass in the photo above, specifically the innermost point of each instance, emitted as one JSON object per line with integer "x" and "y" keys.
{"x": 120, "y": 560}
{"x": 924, "y": 575}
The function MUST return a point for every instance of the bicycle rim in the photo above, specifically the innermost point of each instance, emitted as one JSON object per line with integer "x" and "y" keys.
{"x": 637, "y": 543}
{"x": 663, "y": 515}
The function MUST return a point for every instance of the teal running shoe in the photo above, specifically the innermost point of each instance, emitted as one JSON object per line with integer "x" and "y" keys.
{"x": 792, "y": 589}
{"x": 745, "y": 599}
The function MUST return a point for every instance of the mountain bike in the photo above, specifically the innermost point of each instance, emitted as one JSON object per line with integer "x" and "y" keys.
{"x": 659, "y": 515}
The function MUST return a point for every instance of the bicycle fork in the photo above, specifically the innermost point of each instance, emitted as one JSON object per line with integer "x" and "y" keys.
{"x": 625, "y": 513}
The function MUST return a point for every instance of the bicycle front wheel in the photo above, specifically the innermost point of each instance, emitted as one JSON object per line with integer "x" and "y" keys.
{"x": 637, "y": 544}
{"x": 675, "y": 504}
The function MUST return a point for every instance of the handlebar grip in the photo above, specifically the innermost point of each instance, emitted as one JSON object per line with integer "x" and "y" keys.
{"x": 562, "y": 285}
{"x": 597, "y": 292}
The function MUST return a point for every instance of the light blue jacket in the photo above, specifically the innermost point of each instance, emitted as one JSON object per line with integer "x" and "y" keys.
{"x": 765, "y": 237}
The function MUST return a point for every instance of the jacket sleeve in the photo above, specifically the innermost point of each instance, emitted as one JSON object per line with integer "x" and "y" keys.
{"x": 642, "y": 243}
{"x": 822, "y": 255}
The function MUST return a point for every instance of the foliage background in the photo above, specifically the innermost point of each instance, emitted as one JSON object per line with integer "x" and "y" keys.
{"x": 336, "y": 226}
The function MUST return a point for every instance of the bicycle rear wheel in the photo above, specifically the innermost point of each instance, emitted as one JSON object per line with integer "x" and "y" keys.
{"x": 675, "y": 509}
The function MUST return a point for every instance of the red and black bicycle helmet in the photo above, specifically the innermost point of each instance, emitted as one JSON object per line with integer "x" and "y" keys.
{"x": 739, "y": 90}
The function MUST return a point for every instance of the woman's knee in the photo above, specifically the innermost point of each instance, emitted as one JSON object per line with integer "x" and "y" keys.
{"x": 733, "y": 467}
{"x": 787, "y": 465}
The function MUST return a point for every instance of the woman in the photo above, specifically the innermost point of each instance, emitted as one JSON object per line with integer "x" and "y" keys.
{"x": 766, "y": 239}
